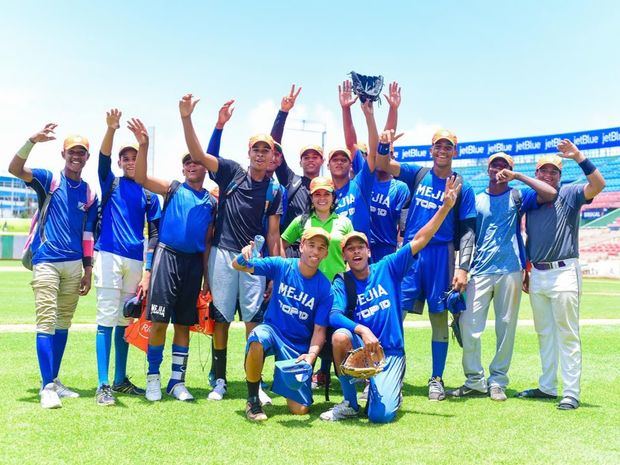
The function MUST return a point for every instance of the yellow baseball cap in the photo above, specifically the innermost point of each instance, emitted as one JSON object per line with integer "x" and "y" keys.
{"x": 339, "y": 150}
{"x": 127, "y": 147}
{"x": 444, "y": 134}
{"x": 321, "y": 182}
{"x": 261, "y": 138}
{"x": 503, "y": 156}
{"x": 314, "y": 231}
{"x": 315, "y": 148}
{"x": 549, "y": 160}
{"x": 353, "y": 235}
{"x": 75, "y": 140}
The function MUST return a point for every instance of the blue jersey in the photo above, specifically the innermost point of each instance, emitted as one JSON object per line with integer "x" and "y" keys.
{"x": 297, "y": 303}
{"x": 122, "y": 222}
{"x": 378, "y": 299}
{"x": 67, "y": 218}
{"x": 388, "y": 199}
{"x": 499, "y": 246}
{"x": 353, "y": 200}
{"x": 184, "y": 224}
{"x": 428, "y": 198}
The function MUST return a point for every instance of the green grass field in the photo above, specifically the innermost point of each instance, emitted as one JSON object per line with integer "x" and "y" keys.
{"x": 450, "y": 432}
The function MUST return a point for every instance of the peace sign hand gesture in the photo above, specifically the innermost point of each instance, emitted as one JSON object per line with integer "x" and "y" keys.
{"x": 288, "y": 101}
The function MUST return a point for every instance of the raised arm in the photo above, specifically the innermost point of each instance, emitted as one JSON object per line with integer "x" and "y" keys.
{"x": 113, "y": 122}
{"x": 17, "y": 166}
{"x": 393, "y": 99}
{"x": 383, "y": 160}
{"x": 158, "y": 186}
{"x": 596, "y": 181}
{"x": 347, "y": 99}
{"x": 286, "y": 104}
{"x": 186, "y": 108}
{"x": 373, "y": 135}
{"x": 545, "y": 193}
{"x": 223, "y": 116}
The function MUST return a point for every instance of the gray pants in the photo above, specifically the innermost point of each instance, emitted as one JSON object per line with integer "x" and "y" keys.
{"x": 505, "y": 290}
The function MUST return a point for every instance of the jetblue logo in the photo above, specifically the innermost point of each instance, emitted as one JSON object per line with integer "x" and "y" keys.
{"x": 471, "y": 149}
{"x": 613, "y": 136}
{"x": 499, "y": 147}
{"x": 528, "y": 145}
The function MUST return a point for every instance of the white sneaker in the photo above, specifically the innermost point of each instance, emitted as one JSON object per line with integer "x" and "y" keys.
{"x": 153, "y": 388}
{"x": 218, "y": 391}
{"x": 64, "y": 391}
{"x": 340, "y": 411}
{"x": 180, "y": 392}
{"x": 49, "y": 396}
{"x": 263, "y": 397}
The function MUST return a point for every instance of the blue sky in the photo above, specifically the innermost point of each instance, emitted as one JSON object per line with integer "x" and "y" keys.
{"x": 484, "y": 69}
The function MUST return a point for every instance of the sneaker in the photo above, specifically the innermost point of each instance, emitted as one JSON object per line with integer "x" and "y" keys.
{"x": 568, "y": 403}
{"x": 364, "y": 395}
{"x": 49, "y": 396}
{"x": 254, "y": 411}
{"x": 263, "y": 397}
{"x": 180, "y": 392}
{"x": 319, "y": 379}
{"x": 218, "y": 391}
{"x": 534, "y": 394}
{"x": 64, "y": 391}
{"x": 497, "y": 393}
{"x": 153, "y": 387}
{"x": 127, "y": 387}
{"x": 436, "y": 391}
{"x": 340, "y": 411}
{"x": 465, "y": 391}
{"x": 104, "y": 395}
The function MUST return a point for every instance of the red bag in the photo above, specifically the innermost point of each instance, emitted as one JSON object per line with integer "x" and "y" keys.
{"x": 138, "y": 332}
{"x": 206, "y": 324}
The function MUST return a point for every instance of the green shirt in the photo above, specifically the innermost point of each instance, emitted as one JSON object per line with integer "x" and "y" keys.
{"x": 337, "y": 226}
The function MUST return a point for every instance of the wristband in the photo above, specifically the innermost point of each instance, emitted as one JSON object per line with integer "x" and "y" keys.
{"x": 87, "y": 261}
{"x": 587, "y": 167}
{"x": 25, "y": 150}
{"x": 383, "y": 149}
{"x": 243, "y": 262}
{"x": 149, "y": 261}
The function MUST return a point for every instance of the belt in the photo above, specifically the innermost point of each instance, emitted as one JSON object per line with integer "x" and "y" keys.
{"x": 549, "y": 265}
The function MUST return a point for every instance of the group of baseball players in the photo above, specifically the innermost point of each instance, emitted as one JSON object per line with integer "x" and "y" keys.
{"x": 344, "y": 259}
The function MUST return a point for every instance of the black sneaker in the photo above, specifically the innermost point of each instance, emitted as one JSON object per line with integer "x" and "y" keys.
{"x": 534, "y": 394}
{"x": 104, "y": 395}
{"x": 464, "y": 391}
{"x": 254, "y": 411}
{"x": 127, "y": 387}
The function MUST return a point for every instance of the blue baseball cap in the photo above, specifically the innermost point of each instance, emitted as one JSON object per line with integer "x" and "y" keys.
{"x": 454, "y": 302}
{"x": 293, "y": 374}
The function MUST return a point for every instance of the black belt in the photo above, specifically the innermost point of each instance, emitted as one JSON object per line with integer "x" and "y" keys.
{"x": 549, "y": 265}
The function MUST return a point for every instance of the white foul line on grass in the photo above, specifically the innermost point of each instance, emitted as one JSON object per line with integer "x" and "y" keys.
{"x": 29, "y": 328}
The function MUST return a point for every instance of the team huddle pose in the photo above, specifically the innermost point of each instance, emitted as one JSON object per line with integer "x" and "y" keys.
{"x": 312, "y": 263}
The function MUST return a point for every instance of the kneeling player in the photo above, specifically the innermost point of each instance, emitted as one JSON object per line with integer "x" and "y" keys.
{"x": 373, "y": 316}
{"x": 295, "y": 321}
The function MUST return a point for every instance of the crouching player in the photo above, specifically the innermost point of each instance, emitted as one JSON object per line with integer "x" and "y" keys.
{"x": 295, "y": 321}
{"x": 376, "y": 316}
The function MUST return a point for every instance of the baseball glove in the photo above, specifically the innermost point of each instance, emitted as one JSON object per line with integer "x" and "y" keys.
{"x": 361, "y": 363}
{"x": 367, "y": 87}
{"x": 456, "y": 329}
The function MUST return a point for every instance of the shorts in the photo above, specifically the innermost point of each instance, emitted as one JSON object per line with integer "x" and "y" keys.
{"x": 428, "y": 279}
{"x": 116, "y": 279}
{"x": 385, "y": 391}
{"x": 229, "y": 286}
{"x": 273, "y": 344}
{"x": 176, "y": 281}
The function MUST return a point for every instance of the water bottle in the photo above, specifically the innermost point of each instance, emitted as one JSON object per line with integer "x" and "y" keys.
{"x": 259, "y": 242}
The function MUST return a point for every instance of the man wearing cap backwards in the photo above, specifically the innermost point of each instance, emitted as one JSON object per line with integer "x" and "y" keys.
{"x": 376, "y": 314}
{"x": 555, "y": 281}
{"x": 433, "y": 273}
{"x": 118, "y": 264}
{"x": 389, "y": 196}
{"x": 241, "y": 213}
{"x": 496, "y": 274}
{"x": 295, "y": 321}
{"x": 179, "y": 265}
{"x": 60, "y": 250}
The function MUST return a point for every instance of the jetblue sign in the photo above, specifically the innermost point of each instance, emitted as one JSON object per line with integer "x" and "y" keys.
{"x": 585, "y": 140}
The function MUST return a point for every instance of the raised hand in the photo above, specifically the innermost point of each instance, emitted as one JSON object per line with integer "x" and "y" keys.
{"x": 45, "y": 134}
{"x": 139, "y": 130}
{"x": 367, "y": 108}
{"x": 113, "y": 118}
{"x": 389, "y": 137}
{"x": 451, "y": 193}
{"x": 345, "y": 94}
{"x": 568, "y": 150}
{"x": 506, "y": 175}
{"x": 288, "y": 101}
{"x": 187, "y": 105}
{"x": 225, "y": 113}
{"x": 393, "y": 95}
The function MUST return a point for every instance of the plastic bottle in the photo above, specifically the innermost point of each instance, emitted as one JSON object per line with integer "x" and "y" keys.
{"x": 259, "y": 242}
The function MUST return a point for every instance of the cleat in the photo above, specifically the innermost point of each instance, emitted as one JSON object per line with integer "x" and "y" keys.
{"x": 254, "y": 411}
{"x": 218, "y": 391}
{"x": 534, "y": 394}
{"x": 127, "y": 387}
{"x": 263, "y": 397}
{"x": 180, "y": 392}
{"x": 153, "y": 387}
{"x": 340, "y": 411}
{"x": 497, "y": 393}
{"x": 104, "y": 395}
{"x": 319, "y": 379}
{"x": 568, "y": 403}
{"x": 465, "y": 391}
{"x": 436, "y": 391}
{"x": 49, "y": 396}
{"x": 63, "y": 391}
